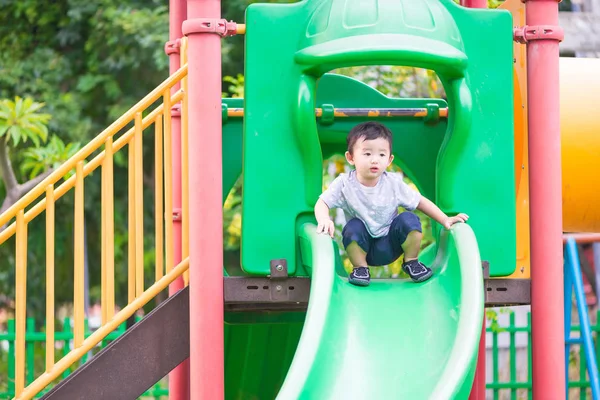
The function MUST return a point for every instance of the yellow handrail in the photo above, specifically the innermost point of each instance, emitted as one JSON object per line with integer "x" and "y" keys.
{"x": 87, "y": 169}
{"x": 160, "y": 116}
{"x": 92, "y": 146}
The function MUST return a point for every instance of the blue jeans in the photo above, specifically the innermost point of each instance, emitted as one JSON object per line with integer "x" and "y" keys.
{"x": 386, "y": 249}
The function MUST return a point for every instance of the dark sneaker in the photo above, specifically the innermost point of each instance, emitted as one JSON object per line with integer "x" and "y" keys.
{"x": 360, "y": 276}
{"x": 417, "y": 271}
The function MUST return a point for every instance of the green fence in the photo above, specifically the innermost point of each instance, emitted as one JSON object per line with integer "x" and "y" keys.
{"x": 579, "y": 385}
{"x": 35, "y": 343}
{"x": 512, "y": 389}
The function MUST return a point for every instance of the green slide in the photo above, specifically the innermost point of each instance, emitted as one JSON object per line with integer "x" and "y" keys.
{"x": 394, "y": 339}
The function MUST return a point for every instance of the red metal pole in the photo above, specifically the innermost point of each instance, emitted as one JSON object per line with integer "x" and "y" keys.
{"x": 179, "y": 378}
{"x": 547, "y": 315}
{"x": 478, "y": 388}
{"x": 205, "y": 196}
{"x": 474, "y": 3}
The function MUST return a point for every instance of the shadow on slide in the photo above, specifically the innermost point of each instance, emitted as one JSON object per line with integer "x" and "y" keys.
{"x": 393, "y": 339}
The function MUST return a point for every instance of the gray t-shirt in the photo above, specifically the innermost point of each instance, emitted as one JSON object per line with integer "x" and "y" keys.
{"x": 376, "y": 206}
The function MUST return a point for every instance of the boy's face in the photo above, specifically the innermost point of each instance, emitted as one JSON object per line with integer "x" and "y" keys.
{"x": 370, "y": 158}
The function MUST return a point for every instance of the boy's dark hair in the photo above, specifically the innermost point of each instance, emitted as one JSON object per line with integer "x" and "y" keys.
{"x": 368, "y": 131}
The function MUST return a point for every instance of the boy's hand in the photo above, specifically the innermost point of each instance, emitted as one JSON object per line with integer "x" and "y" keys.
{"x": 453, "y": 220}
{"x": 326, "y": 226}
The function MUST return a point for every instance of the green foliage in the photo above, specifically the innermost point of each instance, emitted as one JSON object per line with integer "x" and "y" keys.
{"x": 236, "y": 89}
{"x": 397, "y": 81}
{"x": 20, "y": 121}
{"x": 232, "y": 218}
{"x": 88, "y": 61}
{"x": 492, "y": 316}
{"x": 39, "y": 159}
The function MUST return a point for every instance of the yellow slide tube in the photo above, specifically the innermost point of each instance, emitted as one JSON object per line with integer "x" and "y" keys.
{"x": 580, "y": 131}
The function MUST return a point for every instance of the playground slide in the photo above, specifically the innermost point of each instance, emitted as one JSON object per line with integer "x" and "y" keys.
{"x": 393, "y": 339}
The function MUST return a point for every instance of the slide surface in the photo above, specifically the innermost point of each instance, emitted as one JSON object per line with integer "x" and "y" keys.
{"x": 394, "y": 339}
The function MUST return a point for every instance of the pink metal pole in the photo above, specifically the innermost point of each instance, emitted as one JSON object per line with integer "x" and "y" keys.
{"x": 478, "y": 388}
{"x": 206, "y": 206}
{"x": 179, "y": 378}
{"x": 547, "y": 315}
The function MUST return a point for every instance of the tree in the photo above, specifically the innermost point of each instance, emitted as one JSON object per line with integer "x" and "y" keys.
{"x": 20, "y": 122}
{"x": 88, "y": 61}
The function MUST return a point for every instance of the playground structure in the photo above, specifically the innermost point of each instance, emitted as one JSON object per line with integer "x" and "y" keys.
{"x": 488, "y": 153}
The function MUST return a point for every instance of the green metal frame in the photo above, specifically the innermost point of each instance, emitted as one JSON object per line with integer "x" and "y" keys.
{"x": 498, "y": 387}
{"x": 516, "y": 386}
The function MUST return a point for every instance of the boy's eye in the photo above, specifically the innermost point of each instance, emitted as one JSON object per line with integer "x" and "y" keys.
{"x": 382, "y": 155}
{"x": 367, "y": 154}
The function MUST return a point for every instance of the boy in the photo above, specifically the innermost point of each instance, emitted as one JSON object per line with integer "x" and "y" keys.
{"x": 375, "y": 234}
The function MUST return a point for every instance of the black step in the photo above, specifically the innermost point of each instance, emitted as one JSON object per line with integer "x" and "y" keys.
{"x": 136, "y": 360}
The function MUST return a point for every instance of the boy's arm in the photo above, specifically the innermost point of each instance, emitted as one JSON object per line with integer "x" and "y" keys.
{"x": 433, "y": 211}
{"x": 325, "y": 224}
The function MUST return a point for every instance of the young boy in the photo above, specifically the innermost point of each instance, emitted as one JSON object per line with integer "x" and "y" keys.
{"x": 375, "y": 234}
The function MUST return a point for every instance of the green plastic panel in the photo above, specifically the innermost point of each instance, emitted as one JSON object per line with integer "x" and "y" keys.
{"x": 393, "y": 339}
{"x": 258, "y": 356}
{"x": 289, "y": 47}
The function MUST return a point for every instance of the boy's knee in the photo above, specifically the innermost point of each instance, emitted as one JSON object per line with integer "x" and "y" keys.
{"x": 406, "y": 223}
{"x": 354, "y": 231}
{"x": 355, "y": 225}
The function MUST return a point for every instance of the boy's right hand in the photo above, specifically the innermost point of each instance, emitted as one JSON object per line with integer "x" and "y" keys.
{"x": 326, "y": 226}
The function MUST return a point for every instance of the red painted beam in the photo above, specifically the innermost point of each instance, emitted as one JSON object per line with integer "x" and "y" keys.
{"x": 547, "y": 315}
{"x": 206, "y": 200}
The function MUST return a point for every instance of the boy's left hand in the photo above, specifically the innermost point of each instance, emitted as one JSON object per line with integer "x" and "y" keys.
{"x": 457, "y": 218}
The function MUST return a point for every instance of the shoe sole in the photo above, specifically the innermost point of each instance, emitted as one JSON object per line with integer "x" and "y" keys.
{"x": 423, "y": 278}
{"x": 358, "y": 282}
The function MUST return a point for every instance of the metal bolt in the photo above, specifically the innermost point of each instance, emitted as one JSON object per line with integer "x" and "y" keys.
{"x": 278, "y": 288}
{"x": 279, "y": 267}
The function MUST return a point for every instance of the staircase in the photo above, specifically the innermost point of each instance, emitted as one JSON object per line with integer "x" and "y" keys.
{"x": 155, "y": 335}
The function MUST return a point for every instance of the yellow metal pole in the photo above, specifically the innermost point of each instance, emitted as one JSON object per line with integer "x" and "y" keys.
{"x": 109, "y": 228}
{"x": 185, "y": 197}
{"x": 20, "y": 311}
{"x": 158, "y": 194}
{"x": 139, "y": 207}
{"x": 87, "y": 169}
{"x": 78, "y": 301}
{"x": 103, "y": 297}
{"x": 131, "y": 222}
{"x": 49, "y": 277}
{"x": 41, "y": 382}
{"x": 168, "y": 181}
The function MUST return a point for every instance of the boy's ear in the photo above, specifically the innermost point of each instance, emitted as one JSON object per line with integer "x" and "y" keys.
{"x": 349, "y": 158}
{"x": 391, "y": 160}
